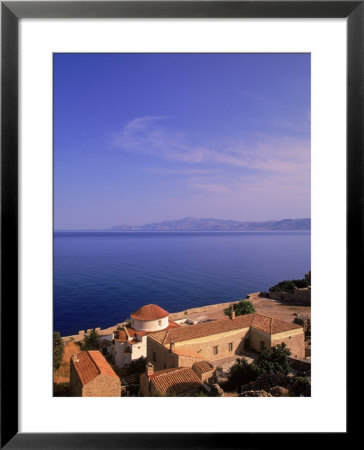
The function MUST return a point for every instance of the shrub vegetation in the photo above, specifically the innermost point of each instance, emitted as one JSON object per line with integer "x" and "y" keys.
{"x": 289, "y": 285}
{"x": 90, "y": 341}
{"x": 58, "y": 350}
{"x": 269, "y": 361}
{"x": 241, "y": 308}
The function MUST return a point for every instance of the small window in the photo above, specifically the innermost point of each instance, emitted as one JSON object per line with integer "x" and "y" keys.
{"x": 230, "y": 346}
{"x": 159, "y": 323}
{"x": 262, "y": 345}
{"x": 154, "y": 357}
{"x": 165, "y": 365}
{"x": 216, "y": 350}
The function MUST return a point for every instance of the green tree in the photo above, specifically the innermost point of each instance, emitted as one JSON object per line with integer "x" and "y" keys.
{"x": 269, "y": 361}
{"x": 241, "y": 308}
{"x": 274, "y": 360}
{"x": 242, "y": 372}
{"x": 90, "y": 341}
{"x": 58, "y": 350}
{"x": 289, "y": 285}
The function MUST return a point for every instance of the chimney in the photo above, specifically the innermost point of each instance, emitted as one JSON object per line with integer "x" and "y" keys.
{"x": 232, "y": 312}
{"x": 75, "y": 358}
{"x": 149, "y": 369}
{"x": 171, "y": 346}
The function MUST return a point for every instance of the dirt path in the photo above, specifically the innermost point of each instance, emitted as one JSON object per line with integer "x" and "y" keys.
{"x": 265, "y": 306}
{"x": 62, "y": 375}
{"x": 277, "y": 309}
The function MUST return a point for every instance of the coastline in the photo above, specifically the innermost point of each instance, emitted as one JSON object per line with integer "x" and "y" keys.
{"x": 263, "y": 305}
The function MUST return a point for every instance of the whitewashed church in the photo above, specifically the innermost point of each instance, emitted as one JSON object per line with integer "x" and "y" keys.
{"x": 130, "y": 343}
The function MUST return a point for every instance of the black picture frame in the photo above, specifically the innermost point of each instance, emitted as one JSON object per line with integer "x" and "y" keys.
{"x": 11, "y": 12}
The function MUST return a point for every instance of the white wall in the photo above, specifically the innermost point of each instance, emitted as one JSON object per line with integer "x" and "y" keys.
{"x": 121, "y": 359}
{"x": 137, "y": 350}
{"x": 150, "y": 325}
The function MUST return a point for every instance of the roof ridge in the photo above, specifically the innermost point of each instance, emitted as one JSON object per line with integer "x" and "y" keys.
{"x": 93, "y": 361}
{"x": 262, "y": 315}
{"x": 163, "y": 372}
{"x": 151, "y": 311}
{"x": 73, "y": 362}
{"x": 165, "y": 336}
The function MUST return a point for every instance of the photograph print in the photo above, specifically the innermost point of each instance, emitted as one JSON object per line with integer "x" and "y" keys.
{"x": 182, "y": 225}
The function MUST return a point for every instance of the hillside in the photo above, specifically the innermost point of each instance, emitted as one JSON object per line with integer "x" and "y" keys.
{"x": 195, "y": 224}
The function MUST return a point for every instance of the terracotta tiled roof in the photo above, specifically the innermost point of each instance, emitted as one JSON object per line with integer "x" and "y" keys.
{"x": 258, "y": 321}
{"x": 121, "y": 335}
{"x": 202, "y": 329}
{"x": 204, "y": 366}
{"x": 272, "y": 326}
{"x": 149, "y": 312}
{"x": 278, "y": 326}
{"x": 175, "y": 381}
{"x": 171, "y": 324}
{"x": 89, "y": 365}
{"x": 262, "y": 323}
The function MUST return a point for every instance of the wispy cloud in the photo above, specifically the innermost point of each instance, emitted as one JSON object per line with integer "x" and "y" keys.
{"x": 147, "y": 135}
{"x": 188, "y": 171}
{"x": 301, "y": 125}
{"x": 210, "y": 187}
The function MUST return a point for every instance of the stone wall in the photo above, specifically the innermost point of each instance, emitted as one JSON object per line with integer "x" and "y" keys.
{"x": 295, "y": 341}
{"x": 257, "y": 338}
{"x": 160, "y": 356}
{"x": 205, "y": 346}
{"x": 299, "y": 296}
{"x": 300, "y": 364}
{"x": 75, "y": 383}
{"x": 203, "y": 376}
{"x": 81, "y": 334}
{"x": 187, "y": 361}
{"x": 144, "y": 385}
{"x": 102, "y": 386}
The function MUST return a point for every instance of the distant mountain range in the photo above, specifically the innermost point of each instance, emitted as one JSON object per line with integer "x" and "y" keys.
{"x": 194, "y": 224}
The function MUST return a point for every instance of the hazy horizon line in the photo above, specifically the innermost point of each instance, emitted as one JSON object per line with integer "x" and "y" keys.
{"x": 176, "y": 220}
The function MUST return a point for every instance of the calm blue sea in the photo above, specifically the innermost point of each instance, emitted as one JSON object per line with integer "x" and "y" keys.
{"x": 100, "y": 277}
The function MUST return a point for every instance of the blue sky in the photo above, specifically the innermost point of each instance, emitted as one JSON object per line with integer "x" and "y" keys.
{"x": 140, "y": 138}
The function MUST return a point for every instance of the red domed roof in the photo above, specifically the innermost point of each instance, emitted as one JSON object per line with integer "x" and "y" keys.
{"x": 149, "y": 312}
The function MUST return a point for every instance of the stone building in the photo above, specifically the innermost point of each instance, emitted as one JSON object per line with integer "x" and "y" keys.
{"x": 149, "y": 318}
{"x": 181, "y": 382}
{"x": 299, "y": 296}
{"x": 212, "y": 341}
{"x": 130, "y": 342}
{"x": 92, "y": 376}
{"x": 204, "y": 370}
